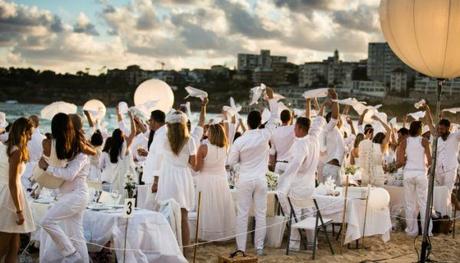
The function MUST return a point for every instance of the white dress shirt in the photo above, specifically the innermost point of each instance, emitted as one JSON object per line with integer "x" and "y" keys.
{"x": 140, "y": 141}
{"x": 448, "y": 153}
{"x": 152, "y": 164}
{"x": 35, "y": 146}
{"x": 335, "y": 142}
{"x": 301, "y": 170}
{"x": 282, "y": 140}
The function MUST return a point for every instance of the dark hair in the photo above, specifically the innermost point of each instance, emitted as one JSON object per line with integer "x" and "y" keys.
{"x": 328, "y": 117}
{"x": 108, "y": 143}
{"x": 445, "y": 123}
{"x": 367, "y": 127}
{"x": 151, "y": 135}
{"x": 254, "y": 119}
{"x": 378, "y": 138}
{"x": 285, "y": 116}
{"x": 116, "y": 145}
{"x": 97, "y": 139}
{"x": 158, "y": 116}
{"x": 64, "y": 134}
{"x": 237, "y": 135}
{"x": 303, "y": 123}
{"x": 415, "y": 128}
{"x": 403, "y": 131}
{"x": 359, "y": 138}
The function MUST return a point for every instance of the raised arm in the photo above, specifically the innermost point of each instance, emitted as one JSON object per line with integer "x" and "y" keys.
{"x": 202, "y": 119}
{"x": 132, "y": 135}
{"x": 335, "y": 105}
{"x": 89, "y": 118}
{"x": 350, "y": 122}
{"x": 427, "y": 147}
{"x": 201, "y": 154}
{"x": 428, "y": 119}
{"x": 361, "y": 117}
{"x": 308, "y": 108}
{"x": 387, "y": 128}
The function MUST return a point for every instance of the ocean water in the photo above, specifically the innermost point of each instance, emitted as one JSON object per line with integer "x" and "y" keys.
{"x": 15, "y": 111}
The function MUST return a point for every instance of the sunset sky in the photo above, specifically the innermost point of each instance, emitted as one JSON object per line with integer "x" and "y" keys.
{"x": 67, "y": 36}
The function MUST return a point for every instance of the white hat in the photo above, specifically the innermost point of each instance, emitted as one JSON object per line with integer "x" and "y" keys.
{"x": 176, "y": 116}
{"x": 3, "y": 122}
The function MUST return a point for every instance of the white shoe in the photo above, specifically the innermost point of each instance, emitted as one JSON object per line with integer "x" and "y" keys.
{"x": 260, "y": 252}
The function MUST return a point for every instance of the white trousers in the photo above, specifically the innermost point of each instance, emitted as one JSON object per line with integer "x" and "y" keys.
{"x": 447, "y": 179}
{"x": 415, "y": 196}
{"x": 279, "y": 169}
{"x": 332, "y": 171}
{"x": 64, "y": 224}
{"x": 250, "y": 192}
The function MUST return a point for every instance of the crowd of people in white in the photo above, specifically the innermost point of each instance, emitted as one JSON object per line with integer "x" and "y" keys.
{"x": 177, "y": 161}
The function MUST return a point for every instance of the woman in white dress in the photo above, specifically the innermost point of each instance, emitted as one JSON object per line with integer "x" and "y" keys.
{"x": 15, "y": 214}
{"x": 175, "y": 180}
{"x": 217, "y": 218}
{"x": 371, "y": 157}
{"x": 62, "y": 238}
{"x": 95, "y": 170}
{"x": 121, "y": 162}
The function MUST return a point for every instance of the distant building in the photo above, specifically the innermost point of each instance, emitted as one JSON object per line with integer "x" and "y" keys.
{"x": 365, "y": 88}
{"x": 133, "y": 75}
{"x": 398, "y": 81}
{"x": 220, "y": 70}
{"x": 381, "y": 62}
{"x": 330, "y": 71}
{"x": 263, "y": 60}
{"x": 428, "y": 85}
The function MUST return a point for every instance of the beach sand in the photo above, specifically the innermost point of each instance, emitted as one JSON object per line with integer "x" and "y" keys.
{"x": 400, "y": 248}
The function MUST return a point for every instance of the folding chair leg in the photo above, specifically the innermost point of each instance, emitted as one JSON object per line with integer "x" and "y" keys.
{"x": 289, "y": 234}
{"x": 327, "y": 239}
{"x": 314, "y": 244}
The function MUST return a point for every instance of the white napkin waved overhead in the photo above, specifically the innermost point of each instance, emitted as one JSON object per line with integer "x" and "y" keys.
{"x": 417, "y": 115}
{"x": 452, "y": 110}
{"x": 257, "y": 93}
{"x": 197, "y": 93}
{"x": 315, "y": 93}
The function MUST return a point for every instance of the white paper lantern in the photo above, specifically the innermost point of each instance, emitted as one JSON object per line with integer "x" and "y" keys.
{"x": 424, "y": 34}
{"x": 54, "y": 108}
{"x": 379, "y": 198}
{"x": 96, "y": 108}
{"x": 154, "y": 90}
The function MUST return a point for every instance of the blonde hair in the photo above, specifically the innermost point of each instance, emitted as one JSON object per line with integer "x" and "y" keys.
{"x": 217, "y": 136}
{"x": 178, "y": 136}
{"x": 19, "y": 135}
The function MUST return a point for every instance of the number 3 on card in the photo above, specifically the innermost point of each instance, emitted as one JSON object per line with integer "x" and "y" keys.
{"x": 128, "y": 210}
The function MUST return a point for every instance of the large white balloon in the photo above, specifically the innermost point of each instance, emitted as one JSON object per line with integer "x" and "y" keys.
{"x": 425, "y": 34}
{"x": 379, "y": 198}
{"x": 57, "y": 107}
{"x": 152, "y": 95}
{"x": 96, "y": 108}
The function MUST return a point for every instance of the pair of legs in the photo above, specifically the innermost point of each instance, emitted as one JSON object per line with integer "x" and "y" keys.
{"x": 248, "y": 193}
{"x": 9, "y": 247}
{"x": 415, "y": 196}
{"x": 185, "y": 228}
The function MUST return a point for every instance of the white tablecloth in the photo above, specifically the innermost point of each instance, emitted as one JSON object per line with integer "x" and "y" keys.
{"x": 149, "y": 238}
{"x": 378, "y": 221}
{"x": 441, "y": 199}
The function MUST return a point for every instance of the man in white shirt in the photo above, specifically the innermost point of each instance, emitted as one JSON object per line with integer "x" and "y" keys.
{"x": 299, "y": 182}
{"x": 152, "y": 164}
{"x": 447, "y": 152}
{"x": 251, "y": 151}
{"x": 281, "y": 142}
{"x": 35, "y": 151}
{"x": 335, "y": 150}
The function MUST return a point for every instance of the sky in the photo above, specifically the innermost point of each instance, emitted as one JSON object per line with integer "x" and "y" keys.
{"x": 68, "y": 36}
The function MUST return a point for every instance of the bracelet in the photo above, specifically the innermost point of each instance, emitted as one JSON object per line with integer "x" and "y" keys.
{"x": 18, "y": 212}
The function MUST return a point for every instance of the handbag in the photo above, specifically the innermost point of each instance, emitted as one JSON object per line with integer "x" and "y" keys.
{"x": 45, "y": 179}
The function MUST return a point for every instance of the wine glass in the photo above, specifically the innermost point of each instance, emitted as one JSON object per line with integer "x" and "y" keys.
{"x": 115, "y": 196}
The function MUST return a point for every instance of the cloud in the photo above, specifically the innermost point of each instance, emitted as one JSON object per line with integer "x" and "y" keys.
{"x": 364, "y": 18}
{"x": 84, "y": 25}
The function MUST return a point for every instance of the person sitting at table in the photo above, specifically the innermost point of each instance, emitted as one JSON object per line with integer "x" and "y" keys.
{"x": 415, "y": 155}
{"x": 251, "y": 152}
{"x": 67, "y": 149}
{"x": 371, "y": 156}
{"x": 300, "y": 173}
{"x": 16, "y": 216}
{"x": 175, "y": 180}
{"x": 121, "y": 161}
{"x": 217, "y": 217}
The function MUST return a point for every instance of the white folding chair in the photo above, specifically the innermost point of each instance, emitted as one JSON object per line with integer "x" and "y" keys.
{"x": 314, "y": 223}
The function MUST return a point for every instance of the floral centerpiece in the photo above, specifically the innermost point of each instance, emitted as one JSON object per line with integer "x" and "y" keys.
{"x": 130, "y": 185}
{"x": 272, "y": 180}
{"x": 351, "y": 169}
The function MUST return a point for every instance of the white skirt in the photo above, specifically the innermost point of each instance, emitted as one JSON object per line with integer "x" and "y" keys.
{"x": 217, "y": 214}
{"x": 176, "y": 183}
{"x": 8, "y": 212}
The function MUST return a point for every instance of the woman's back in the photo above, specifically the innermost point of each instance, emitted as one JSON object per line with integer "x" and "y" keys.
{"x": 181, "y": 159}
{"x": 415, "y": 154}
{"x": 214, "y": 162}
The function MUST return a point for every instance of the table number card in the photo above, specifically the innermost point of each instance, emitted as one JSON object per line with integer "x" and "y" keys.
{"x": 128, "y": 208}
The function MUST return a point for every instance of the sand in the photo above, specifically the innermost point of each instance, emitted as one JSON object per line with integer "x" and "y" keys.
{"x": 400, "y": 248}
